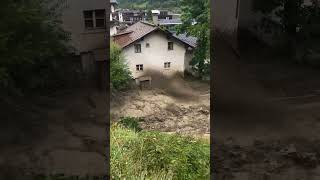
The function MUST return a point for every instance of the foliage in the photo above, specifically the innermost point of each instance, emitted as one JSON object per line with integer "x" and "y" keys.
{"x": 32, "y": 45}
{"x": 130, "y": 123}
{"x": 64, "y": 177}
{"x": 149, "y": 4}
{"x": 120, "y": 74}
{"x": 198, "y": 11}
{"x": 149, "y": 16}
{"x": 299, "y": 22}
{"x": 154, "y": 155}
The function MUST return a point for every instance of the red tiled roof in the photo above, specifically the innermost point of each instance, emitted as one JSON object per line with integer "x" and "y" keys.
{"x": 133, "y": 33}
{"x": 141, "y": 29}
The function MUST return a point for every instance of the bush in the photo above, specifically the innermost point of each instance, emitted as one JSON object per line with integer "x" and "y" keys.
{"x": 130, "y": 123}
{"x": 32, "y": 45}
{"x": 120, "y": 74}
{"x": 154, "y": 155}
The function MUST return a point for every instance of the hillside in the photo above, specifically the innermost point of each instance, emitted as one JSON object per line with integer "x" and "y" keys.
{"x": 149, "y": 4}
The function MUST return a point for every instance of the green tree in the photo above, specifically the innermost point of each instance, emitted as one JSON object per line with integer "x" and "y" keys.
{"x": 149, "y": 16}
{"x": 120, "y": 74}
{"x": 293, "y": 15}
{"x": 32, "y": 45}
{"x": 197, "y": 11}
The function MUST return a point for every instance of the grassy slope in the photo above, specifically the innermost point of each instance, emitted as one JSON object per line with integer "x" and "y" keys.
{"x": 154, "y": 155}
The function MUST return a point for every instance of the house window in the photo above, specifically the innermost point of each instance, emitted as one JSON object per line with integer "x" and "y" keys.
{"x": 88, "y": 19}
{"x": 139, "y": 67}
{"x": 94, "y": 19}
{"x": 137, "y": 48}
{"x": 147, "y": 45}
{"x": 167, "y": 65}
{"x": 100, "y": 17}
{"x": 170, "y": 45}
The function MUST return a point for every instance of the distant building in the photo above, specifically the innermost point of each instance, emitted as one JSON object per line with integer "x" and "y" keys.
{"x": 170, "y": 24}
{"x": 113, "y": 19}
{"x": 165, "y": 18}
{"x": 147, "y": 48}
{"x": 133, "y": 16}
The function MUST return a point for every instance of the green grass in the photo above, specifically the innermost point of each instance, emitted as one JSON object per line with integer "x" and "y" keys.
{"x": 154, "y": 155}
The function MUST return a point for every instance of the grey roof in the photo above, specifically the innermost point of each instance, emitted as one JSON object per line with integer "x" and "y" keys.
{"x": 169, "y": 21}
{"x": 192, "y": 41}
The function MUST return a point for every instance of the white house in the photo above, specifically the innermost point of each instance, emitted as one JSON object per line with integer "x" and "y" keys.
{"x": 147, "y": 48}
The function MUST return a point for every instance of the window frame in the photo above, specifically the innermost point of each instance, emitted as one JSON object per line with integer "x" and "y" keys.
{"x": 167, "y": 65}
{"x": 170, "y": 48}
{"x": 100, "y": 18}
{"x": 135, "y": 48}
{"x": 94, "y": 19}
{"x": 139, "y": 67}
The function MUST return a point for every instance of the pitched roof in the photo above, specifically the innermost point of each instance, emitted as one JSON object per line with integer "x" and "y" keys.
{"x": 141, "y": 29}
{"x": 190, "y": 40}
{"x": 133, "y": 33}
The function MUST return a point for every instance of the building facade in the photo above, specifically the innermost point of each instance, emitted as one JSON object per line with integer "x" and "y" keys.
{"x": 133, "y": 16}
{"x": 86, "y": 22}
{"x": 148, "y": 49}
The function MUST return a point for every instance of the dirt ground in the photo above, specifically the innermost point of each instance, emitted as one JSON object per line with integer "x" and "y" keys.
{"x": 177, "y": 105}
{"x": 62, "y": 134}
{"x": 266, "y": 121}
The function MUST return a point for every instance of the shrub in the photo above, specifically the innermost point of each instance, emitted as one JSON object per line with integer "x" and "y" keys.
{"x": 130, "y": 123}
{"x": 32, "y": 45}
{"x": 120, "y": 74}
{"x": 154, "y": 155}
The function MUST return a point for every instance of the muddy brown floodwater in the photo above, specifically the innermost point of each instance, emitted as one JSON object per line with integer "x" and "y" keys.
{"x": 178, "y": 105}
{"x": 266, "y": 118}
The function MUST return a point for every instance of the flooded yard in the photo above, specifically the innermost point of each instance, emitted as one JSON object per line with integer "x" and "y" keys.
{"x": 176, "y": 106}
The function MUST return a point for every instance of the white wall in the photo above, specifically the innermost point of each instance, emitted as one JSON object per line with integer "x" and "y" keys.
{"x": 113, "y": 30}
{"x": 153, "y": 58}
{"x": 73, "y": 21}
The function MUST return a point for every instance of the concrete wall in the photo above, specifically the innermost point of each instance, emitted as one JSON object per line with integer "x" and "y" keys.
{"x": 153, "y": 58}
{"x": 73, "y": 21}
{"x": 224, "y": 18}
